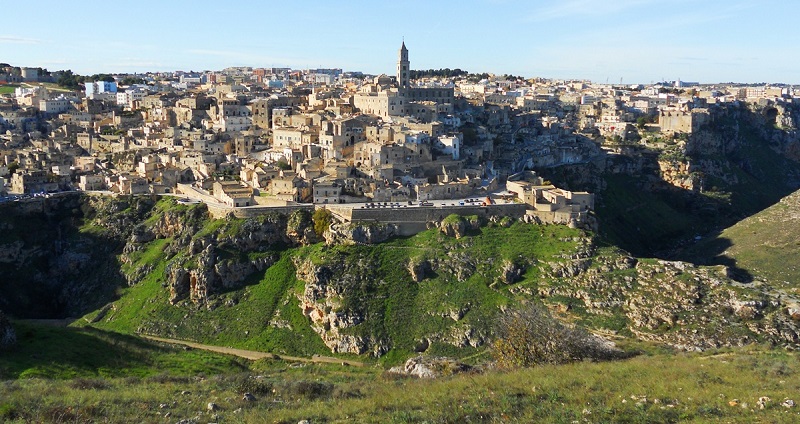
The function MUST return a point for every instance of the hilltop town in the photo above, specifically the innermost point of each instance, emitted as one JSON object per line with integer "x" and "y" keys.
{"x": 249, "y": 139}
{"x": 341, "y": 232}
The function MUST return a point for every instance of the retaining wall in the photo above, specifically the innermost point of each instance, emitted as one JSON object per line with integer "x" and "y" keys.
{"x": 425, "y": 214}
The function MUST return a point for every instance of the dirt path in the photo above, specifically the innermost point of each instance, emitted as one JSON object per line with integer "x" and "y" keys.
{"x": 254, "y": 355}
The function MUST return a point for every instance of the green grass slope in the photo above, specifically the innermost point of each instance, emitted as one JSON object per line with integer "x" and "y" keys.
{"x": 242, "y": 321}
{"x": 719, "y": 386}
{"x": 67, "y": 353}
{"x": 765, "y": 245}
{"x": 462, "y": 295}
{"x": 265, "y": 314}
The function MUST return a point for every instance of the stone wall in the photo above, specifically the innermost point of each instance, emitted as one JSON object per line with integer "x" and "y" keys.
{"x": 424, "y": 214}
{"x": 219, "y": 211}
{"x": 192, "y": 193}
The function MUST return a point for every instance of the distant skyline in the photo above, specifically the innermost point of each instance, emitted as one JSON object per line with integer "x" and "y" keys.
{"x": 633, "y": 41}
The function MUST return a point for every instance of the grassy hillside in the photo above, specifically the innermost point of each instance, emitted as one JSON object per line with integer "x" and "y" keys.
{"x": 461, "y": 293}
{"x": 265, "y": 314}
{"x": 432, "y": 292}
{"x": 67, "y": 353}
{"x": 718, "y": 386}
{"x": 241, "y": 319}
{"x": 765, "y": 245}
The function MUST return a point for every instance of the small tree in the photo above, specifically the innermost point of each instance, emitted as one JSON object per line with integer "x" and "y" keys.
{"x": 283, "y": 164}
{"x": 530, "y": 336}
{"x": 322, "y": 220}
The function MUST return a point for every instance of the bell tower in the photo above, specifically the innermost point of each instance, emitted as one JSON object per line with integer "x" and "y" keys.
{"x": 403, "y": 67}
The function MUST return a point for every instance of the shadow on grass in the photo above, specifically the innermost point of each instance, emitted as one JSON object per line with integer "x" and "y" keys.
{"x": 68, "y": 271}
{"x": 712, "y": 252}
{"x": 63, "y": 353}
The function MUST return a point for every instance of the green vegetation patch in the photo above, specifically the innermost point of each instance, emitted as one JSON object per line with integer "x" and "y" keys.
{"x": 66, "y": 353}
{"x": 719, "y": 386}
{"x": 764, "y": 245}
{"x": 264, "y": 315}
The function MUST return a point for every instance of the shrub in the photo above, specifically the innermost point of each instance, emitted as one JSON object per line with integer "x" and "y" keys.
{"x": 322, "y": 220}
{"x": 310, "y": 389}
{"x": 530, "y": 335}
{"x": 245, "y": 383}
{"x": 88, "y": 384}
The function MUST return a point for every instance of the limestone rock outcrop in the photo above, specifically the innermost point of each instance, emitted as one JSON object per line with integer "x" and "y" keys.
{"x": 327, "y": 302}
{"x": 430, "y": 367}
{"x": 675, "y": 303}
{"x": 199, "y": 267}
{"x": 458, "y": 226}
{"x": 360, "y": 233}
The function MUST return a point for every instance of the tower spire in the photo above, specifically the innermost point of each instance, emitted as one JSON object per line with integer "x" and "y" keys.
{"x": 403, "y": 67}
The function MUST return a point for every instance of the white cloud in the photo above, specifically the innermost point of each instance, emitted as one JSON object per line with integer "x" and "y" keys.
{"x": 11, "y": 39}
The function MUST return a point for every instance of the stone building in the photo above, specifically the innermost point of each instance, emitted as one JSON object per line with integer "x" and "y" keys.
{"x": 376, "y": 100}
{"x": 232, "y": 193}
{"x": 671, "y": 121}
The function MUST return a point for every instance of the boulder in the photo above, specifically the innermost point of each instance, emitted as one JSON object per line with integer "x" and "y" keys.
{"x": 430, "y": 367}
{"x": 419, "y": 269}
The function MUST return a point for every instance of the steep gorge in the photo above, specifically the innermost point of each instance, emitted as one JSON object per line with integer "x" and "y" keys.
{"x": 270, "y": 282}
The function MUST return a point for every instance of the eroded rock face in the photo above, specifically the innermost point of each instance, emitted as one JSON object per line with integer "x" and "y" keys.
{"x": 419, "y": 269}
{"x": 510, "y": 272}
{"x": 360, "y": 233}
{"x": 210, "y": 275}
{"x": 8, "y": 337}
{"x": 325, "y": 301}
{"x": 679, "y": 174}
{"x": 458, "y": 226}
{"x": 205, "y": 265}
{"x": 455, "y": 228}
{"x": 675, "y": 303}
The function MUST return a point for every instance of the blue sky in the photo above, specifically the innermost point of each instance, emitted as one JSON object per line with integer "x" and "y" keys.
{"x": 633, "y": 40}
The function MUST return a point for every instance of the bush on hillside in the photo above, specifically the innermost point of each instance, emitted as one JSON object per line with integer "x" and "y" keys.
{"x": 530, "y": 336}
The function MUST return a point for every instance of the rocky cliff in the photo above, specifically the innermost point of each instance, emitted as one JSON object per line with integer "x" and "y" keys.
{"x": 58, "y": 254}
{"x": 670, "y": 188}
{"x": 204, "y": 258}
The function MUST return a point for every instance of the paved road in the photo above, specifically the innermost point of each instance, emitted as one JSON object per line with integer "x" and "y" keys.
{"x": 252, "y": 354}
